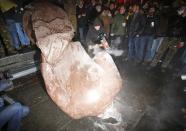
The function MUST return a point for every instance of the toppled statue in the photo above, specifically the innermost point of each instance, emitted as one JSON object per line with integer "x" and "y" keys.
{"x": 80, "y": 85}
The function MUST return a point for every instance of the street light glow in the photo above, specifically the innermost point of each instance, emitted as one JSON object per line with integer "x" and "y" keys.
{"x": 93, "y": 96}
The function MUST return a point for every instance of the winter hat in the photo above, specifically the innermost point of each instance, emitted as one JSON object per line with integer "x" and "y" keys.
{"x": 97, "y": 22}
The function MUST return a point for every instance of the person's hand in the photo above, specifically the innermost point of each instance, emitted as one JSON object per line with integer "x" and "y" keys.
{"x": 79, "y": 16}
{"x": 104, "y": 44}
{"x": 137, "y": 35}
{"x": 83, "y": 14}
{"x": 111, "y": 34}
{"x": 182, "y": 44}
{"x": 179, "y": 45}
{"x": 22, "y": 9}
{"x": 123, "y": 24}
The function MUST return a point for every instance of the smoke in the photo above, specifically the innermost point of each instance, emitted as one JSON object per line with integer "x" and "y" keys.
{"x": 112, "y": 51}
{"x": 114, "y": 48}
{"x": 115, "y": 52}
{"x": 111, "y": 112}
{"x": 110, "y": 120}
{"x": 167, "y": 113}
{"x": 101, "y": 126}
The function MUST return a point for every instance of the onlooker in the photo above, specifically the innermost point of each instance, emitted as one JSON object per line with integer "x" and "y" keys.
{"x": 147, "y": 37}
{"x": 11, "y": 27}
{"x": 112, "y": 8}
{"x": 106, "y": 19}
{"x": 146, "y": 7}
{"x": 90, "y": 11}
{"x": 14, "y": 21}
{"x": 23, "y": 38}
{"x": 2, "y": 50}
{"x": 130, "y": 12}
{"x": 173, "y": 41}
{"x": 118, "y": 29}
{"x": 13, "y": 113}
{"x": 98, "y": 10}
{"x": 6, "y": 37}
{"x": 135, "y": 27}
{"x": 160, "y": 34}
{"x": 183, "y": 60}
{"x": 82, "y": 21}
{"x": 120, "y": 2}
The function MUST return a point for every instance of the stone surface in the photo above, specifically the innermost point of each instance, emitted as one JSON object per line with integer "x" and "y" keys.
{"x": 79, "y": 85}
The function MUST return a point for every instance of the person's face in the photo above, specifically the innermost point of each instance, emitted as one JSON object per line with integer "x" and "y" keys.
{"x": 146, "y": 5}
{"x": 181, "y": 11}
{"x": 81, "y": 3}
{"x": 152, "y": 10}
{"x": 135, "y": 8}
{"x": 130, "y": 9}
{"x": 111, "y": 6}
{"x": 104, "y": 13}
{"x": 122, "y": 10}
{"x": 93, "y": 2}
{"x": 98, "y": 8}
{"x": 109, "y": 13}
{"x": 97, "y": 27}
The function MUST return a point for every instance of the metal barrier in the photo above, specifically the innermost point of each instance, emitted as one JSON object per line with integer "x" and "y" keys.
{"x": 20, "y": 65}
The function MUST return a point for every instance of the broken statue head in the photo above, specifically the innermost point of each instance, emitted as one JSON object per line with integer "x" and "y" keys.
{"x": 79, "y": 85}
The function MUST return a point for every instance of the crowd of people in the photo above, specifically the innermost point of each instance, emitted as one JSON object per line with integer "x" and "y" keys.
{"x": 149, "y": 33}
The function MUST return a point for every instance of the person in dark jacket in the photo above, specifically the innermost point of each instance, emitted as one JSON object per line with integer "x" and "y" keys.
{"x": 147, "y": 37}
{"x": 6, "y": 47}
{"x": 14, "y": 21}
{"x": 2, "y": 49}
{"x": 92, "y": 11}
{"x": 160, "y": 33}
{"x": 182, "y": 14}
{"x": 135, "y": 28}
{"x": 82, "y": 21}
{"x": 23, "y": 38}
{"x": 173, "y": 41}
{"x": 96, "y": 37}
{"x": 11, "y": 112}
{"x": 9, "y": 18}
{"x": 112, "y": 8}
